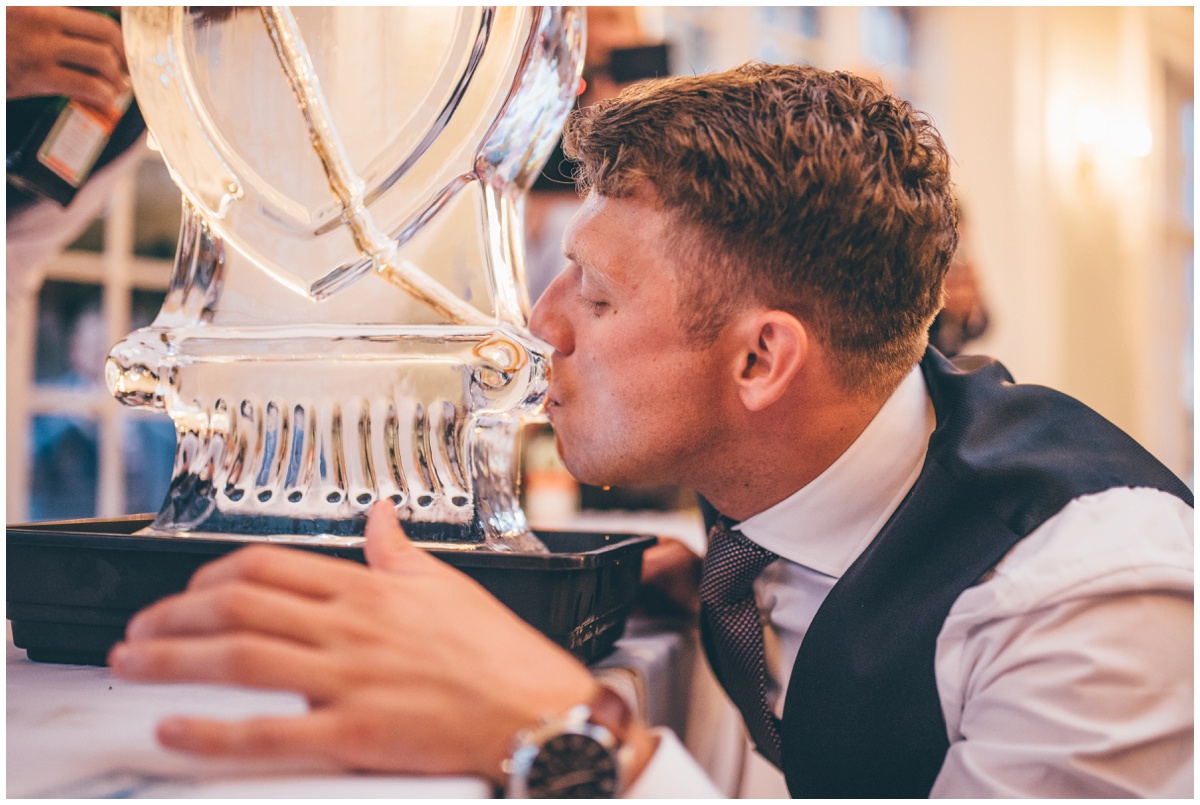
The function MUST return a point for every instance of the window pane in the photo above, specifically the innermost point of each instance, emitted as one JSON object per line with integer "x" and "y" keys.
{"x": 803, "y": 20}
{"x": 65, "y": 463}
{"x": 886, "y": 36}
{"x": 71, "y": 335}
{"x": 145, "y": 307}
{"x": 157, "y": 212}
{"x": 810, "y": 21}
{"x": 688, "y": 30}
{"x": 149, "y": 458}
{"x": 91, "y": 239}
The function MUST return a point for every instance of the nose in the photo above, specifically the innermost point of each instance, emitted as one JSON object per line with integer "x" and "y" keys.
{"x": 548, "y": 320}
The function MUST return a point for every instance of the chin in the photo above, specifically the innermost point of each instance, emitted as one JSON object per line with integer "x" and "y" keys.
{"x": 599, "y": 474}
{"x": 585, "y": 474}
{"x": 591, "y": 473}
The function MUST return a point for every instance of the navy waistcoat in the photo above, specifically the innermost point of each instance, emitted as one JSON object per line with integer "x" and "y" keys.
{"x": 862, "y": 716}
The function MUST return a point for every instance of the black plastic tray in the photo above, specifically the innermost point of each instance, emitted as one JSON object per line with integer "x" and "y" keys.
{"x": 74, "y": 584}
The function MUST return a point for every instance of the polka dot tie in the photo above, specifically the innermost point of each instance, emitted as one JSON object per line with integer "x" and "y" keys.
{"x": 734, "y": 634}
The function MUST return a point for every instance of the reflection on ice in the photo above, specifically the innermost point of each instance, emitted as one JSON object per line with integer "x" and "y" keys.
{"x": 344, "y": 147}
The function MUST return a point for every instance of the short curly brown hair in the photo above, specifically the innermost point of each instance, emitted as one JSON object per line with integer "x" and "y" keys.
{"x": 808, "y": 191}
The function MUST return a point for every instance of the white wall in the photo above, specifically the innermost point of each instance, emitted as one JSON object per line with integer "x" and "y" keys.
{"x": 1071, "y": 239}
{"x": 1070, "y": 236}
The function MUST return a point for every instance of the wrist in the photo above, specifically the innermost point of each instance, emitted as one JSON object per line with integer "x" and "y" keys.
{"x": 522, "y": 705}
{"x": 595, "y": 749}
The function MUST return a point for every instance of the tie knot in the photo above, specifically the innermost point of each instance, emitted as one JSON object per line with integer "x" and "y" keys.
{"x": 731, "y": 565}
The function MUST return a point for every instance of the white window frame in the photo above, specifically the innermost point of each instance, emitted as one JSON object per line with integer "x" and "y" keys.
{"x": 118, "y": 272}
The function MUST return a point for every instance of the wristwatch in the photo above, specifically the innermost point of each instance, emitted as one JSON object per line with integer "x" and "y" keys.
{"x": 579, "y": 755}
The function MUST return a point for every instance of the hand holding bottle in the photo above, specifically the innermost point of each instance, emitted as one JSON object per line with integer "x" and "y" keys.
{"x": 68, "y": 95}
{"x": 58, "y": 50}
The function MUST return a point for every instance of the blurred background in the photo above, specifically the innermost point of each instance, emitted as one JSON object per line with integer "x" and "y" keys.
{"x": 1073, "y": 138}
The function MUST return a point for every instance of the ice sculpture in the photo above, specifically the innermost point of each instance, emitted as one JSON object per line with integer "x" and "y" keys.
{"x": 346, "y": 320}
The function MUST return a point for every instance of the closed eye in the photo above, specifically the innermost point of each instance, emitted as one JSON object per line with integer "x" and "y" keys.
{"x": 596, "y": 308}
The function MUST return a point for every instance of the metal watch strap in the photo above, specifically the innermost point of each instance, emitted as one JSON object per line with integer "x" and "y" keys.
{"x": 608, "y": 710}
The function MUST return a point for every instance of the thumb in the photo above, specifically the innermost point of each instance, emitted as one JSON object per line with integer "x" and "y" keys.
{"x": 387, "y": 547}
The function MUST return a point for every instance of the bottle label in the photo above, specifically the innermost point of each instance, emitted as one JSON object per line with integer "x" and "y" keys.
{"x": 77, "y": 138}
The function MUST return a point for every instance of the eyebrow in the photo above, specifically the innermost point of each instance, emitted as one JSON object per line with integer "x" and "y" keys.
{"x": 595, "y": 275}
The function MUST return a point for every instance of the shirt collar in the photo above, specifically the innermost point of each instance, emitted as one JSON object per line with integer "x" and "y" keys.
{"x": 826, "y": 524}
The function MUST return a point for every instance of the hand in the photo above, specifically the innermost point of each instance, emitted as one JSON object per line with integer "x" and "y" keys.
{"x": 670, "y": 579}
{"x": 962, "y": 291}
{"x": 408, "y": 665}
{"x": 55, "y": 50}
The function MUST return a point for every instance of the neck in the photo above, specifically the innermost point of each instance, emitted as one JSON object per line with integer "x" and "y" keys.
{"x": 782, "y": 449}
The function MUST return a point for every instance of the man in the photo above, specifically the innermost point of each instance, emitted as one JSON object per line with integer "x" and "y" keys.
{"x": 970, "y": 588}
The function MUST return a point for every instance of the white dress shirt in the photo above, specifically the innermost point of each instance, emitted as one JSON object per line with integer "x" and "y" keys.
{"x": 1067, "y": 672}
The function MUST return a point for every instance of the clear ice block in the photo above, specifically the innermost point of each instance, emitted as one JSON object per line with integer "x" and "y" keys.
{"x": 346, "y": 320}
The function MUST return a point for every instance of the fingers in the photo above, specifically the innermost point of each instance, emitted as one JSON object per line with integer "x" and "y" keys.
{"x": 235, "y": 607}
{"x": 253, "y": 661}
{"x": 312, "y": 575}
{"x": 64, "y": 51}
{"x": 95, "y": 27}
{"x": 300, "y": 572}
{"x": 86, "y": 88}
{"x": 387, "y": 548}
{"x": 667, "y": 555}
{"x": 670, "y": 578}
{"x": 95, "y": 57}
{"x": 275, "y": 737}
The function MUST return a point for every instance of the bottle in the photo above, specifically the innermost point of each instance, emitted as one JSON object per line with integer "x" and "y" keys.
{"x": 54, "y": 143}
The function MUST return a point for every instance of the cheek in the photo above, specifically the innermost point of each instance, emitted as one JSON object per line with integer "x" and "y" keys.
{"x": 635, "y": 382}
{"x": 647, "y": 402}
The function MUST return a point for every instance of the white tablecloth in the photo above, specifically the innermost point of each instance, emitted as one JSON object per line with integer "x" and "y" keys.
{"x": 78, "y": 731}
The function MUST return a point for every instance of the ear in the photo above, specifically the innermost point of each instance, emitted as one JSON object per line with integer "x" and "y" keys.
{"x": 773, "y": 350}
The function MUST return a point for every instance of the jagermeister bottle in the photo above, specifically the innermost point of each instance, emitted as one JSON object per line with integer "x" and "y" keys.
{"x": 54, "y": 143}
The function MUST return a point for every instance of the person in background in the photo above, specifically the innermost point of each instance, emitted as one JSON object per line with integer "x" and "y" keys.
{"x": 614, "y": 40}
{"x": 964, "y": 316}
{"x": 64, "y": 448}
{"x": 60, "y": 50}
{"x": 922, "y": 578}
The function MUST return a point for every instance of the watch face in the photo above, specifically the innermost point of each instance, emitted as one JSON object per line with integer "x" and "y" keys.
{"x": 573, "y": 766}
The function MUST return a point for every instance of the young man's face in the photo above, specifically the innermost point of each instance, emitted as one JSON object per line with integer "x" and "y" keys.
{"x": 632, "y": 400}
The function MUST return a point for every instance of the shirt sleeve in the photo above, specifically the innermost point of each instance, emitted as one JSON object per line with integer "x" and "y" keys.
{"x": 1069, "y": 671}
{"x": 672, "y": 773}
